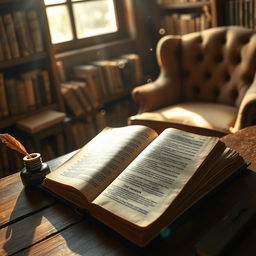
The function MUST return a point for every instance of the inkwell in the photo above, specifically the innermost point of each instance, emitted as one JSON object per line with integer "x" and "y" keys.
{"x": 35, "y": 170}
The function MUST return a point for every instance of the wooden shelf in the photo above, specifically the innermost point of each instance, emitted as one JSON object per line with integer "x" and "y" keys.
{"x": 21, "y": 61}
{"x": 10, "y": 121}
{"x": 184, "y": 8}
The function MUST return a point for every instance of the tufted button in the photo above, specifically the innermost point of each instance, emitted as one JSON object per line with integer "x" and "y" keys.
{"x": 199, "y": 57}
{"x": 237, "y": 59}
{"x": 234, "y": 93}
{"x": 207, "y": 75}
{"x": 227, "y": 77}
{"x": 219, "y": 58}
{"x": 196, "y": 90}
{"x": 216, "y": 92}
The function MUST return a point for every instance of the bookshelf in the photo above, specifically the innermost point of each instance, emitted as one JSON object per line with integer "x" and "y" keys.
{"x": 28, "y": 79}
{"x": 182, "y": 17}
{"x": 97, "y": 94}
{"x": 237, "y": 12}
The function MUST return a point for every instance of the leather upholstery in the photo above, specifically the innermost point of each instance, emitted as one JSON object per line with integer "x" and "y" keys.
{"x": 207, "y": 81}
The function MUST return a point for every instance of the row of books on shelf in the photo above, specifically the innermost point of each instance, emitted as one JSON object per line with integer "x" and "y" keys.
{"x": 167, "y": 2}
{"x": 20, "y": 35}
{"x": 240, "y": 12}
{"x": 12, "y": 161}
{"x": 24, "y": 92}
{"x": 180, "y": 24}
{"x": 90, "y": 85}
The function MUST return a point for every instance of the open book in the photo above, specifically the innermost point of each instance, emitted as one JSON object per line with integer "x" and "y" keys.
{"x": 138, "y": 182}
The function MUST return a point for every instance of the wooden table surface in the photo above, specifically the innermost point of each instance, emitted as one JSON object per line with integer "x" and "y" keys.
{"x": 33, "y": 223}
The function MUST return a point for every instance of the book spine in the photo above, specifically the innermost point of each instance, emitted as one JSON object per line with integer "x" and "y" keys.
{"x": 36, "y": 90}
{"x": 3, "y": 98}
{"x": 23, "y": 36}
{"x": 35, "y": 30}
{"x": 29, "y": 89}
{"x": 12, "y": 98}
{"x": 11, "y": 35}
{"x": 47, "y": 86}
{"x": 71, "y": 102}
{"x": 4, "y": 41}
{"x": 21, "y": 96}
{"x": 1, "y": 52}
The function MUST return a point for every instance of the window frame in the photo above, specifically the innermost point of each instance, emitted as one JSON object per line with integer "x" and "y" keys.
{"x": 121, "y": 33}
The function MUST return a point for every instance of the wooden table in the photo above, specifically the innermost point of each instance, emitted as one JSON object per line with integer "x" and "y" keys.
{"x": 33, "y": 223}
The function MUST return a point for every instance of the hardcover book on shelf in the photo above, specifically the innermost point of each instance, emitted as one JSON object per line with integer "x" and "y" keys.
{"x": 90, "y": 74}
{"x": 79, "y": 93}
{"x": 4, "y": 41}
{"x": 12, "y": 97}
{"x": 21, "y": 96}
{"x": 117, "y": 84}
{"x": 71, "y": 101}
{"x": 144, "y": 181}
{"x": 103, "y": 69}
{"x": 35, "y": 31}
{"x": 85, "y": 91}
{"x": 44, "y": 86}
{"x": 36, "y": 86}
{"x": 4, "y": 112}
{"x": 22, "y": 31}
{"x": 111, "y": 76}
{"x": 135, "y": 61}
{"x": 29, "y": 90}
{"x": 1, "y": 52}
{"x": 11, "y": 35}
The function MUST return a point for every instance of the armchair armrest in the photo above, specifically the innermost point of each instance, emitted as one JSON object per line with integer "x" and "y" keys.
{"x": 157, "y": 94}
{"x": 165, "y": 90}
{"x": 247, "y": 111}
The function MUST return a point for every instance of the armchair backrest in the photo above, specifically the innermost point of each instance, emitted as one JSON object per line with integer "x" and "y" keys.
{"x": 215, "y": 65}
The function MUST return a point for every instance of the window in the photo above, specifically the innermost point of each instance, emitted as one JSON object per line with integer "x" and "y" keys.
{"x": 75, "y": 23}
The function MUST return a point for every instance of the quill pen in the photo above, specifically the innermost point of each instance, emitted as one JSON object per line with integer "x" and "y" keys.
{"x": 14, "y": 144}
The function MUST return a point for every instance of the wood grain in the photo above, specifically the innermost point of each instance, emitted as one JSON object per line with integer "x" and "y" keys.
{"x": 35, "y": 228}
{"x": 17, "y": 202}
{"x": 92, "y": 238}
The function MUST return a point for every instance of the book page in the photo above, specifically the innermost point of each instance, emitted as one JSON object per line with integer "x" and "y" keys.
{"x": 143, "y": 191}
{"x": 101, "y": 160}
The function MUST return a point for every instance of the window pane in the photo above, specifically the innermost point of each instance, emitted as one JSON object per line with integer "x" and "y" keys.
{"x": 94, "y": 18}
{"x": 59, "y": 23}
{"x": 49, "y": 2}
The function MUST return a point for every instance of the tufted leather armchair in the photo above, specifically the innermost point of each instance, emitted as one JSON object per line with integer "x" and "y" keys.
{"x": 206, "y": 85}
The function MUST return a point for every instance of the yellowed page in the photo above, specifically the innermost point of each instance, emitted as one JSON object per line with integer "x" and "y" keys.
{"x": 102, "y": 159}
{"x": 143, "y": 191}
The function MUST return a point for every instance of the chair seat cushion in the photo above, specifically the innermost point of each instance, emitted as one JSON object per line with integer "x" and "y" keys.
{"x": 214, "y": 116}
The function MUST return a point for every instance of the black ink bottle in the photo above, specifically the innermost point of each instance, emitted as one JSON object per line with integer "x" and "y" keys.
{"x": 34, "y": 170}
